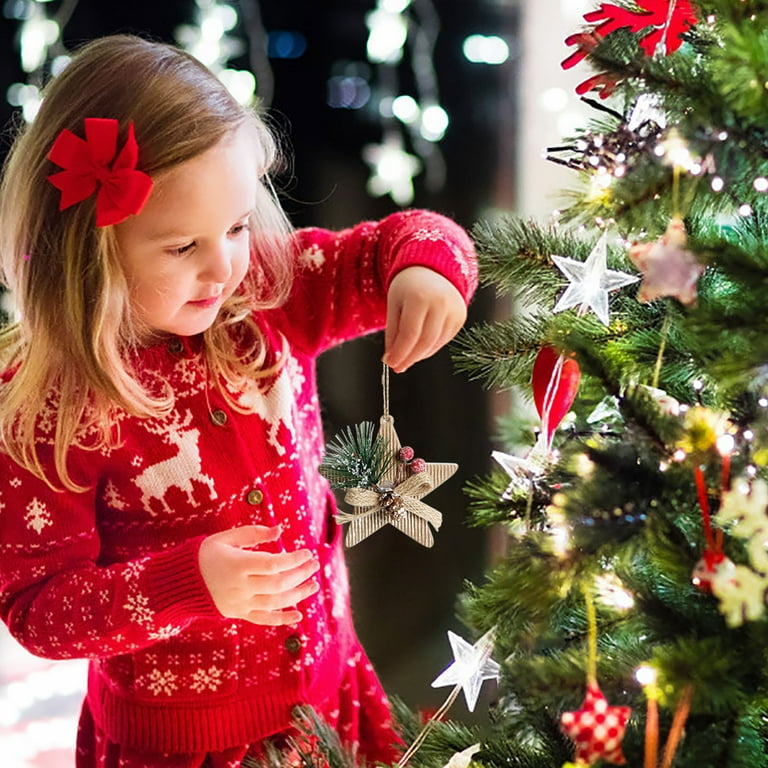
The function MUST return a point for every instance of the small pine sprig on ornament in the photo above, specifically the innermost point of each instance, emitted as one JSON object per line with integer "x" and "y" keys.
{"x": 355, "y": 458}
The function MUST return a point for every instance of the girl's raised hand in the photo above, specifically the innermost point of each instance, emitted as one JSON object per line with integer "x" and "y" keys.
{"x": 424, "y": 312}
{"x": 261, "y": 587}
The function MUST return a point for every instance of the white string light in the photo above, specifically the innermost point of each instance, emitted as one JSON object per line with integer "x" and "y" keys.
{"x": 394, "y": 26}
{"x": 41, "y": 50}
{"x": 613, "y": 593}
{"x": 208, "y": 40}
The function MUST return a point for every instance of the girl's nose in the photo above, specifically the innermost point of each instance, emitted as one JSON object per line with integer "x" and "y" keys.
{"x": 217, "y": 265}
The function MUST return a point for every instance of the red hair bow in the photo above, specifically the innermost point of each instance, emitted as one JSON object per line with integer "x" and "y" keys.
{"x": 93, "y": 163}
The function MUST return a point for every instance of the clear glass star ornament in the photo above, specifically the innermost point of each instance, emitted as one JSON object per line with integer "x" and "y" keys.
{"x": 590, "y": 282}
{"x": 473, "y": 664}
{"x": 521, "y": 470}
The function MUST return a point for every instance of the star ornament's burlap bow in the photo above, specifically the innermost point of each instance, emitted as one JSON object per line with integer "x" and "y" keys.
{"x": 396, "y": 499}
{"x": 93, "y": 165}
{"x": 397, "y": 506}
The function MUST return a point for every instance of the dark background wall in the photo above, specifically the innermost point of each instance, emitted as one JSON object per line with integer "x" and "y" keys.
{"x": 404, "y": 595}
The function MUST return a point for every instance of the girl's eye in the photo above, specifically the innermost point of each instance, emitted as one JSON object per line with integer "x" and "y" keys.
{"x": 183, "y": 249}
{"x": 238, "y": 228}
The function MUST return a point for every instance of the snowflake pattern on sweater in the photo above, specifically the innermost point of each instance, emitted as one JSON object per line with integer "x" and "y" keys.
{"x": 111, "y": 573}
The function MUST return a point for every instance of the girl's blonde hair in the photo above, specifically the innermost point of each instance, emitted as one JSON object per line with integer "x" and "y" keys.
{"x": 74, "y": 342}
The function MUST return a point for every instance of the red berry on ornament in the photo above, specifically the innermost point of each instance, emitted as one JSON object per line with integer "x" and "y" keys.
{"x": 406, "y": 454}
{"x": 418, "y": 466}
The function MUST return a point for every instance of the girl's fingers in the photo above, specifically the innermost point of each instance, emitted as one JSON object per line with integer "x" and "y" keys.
{"x": 449, "y": 329}
{"x": 424, "y": 311}
{"x": 420, "y": 339}
{"x": 283, "y": 580}
{"x": 256, "y": 563}
{"x": 277, "y": 601}
{"x": 248, "y": 535}
{"x": 404, "y": 338}
{"x": 261, "y": 587}
{"x": 275, "y": 618}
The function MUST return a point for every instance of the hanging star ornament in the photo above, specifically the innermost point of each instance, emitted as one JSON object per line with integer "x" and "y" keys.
{"x": 392, "y": 170}
{"x": 396, "y": 498}
{"x": 590, "y": 282}
{"x": 523, "y": 471}
{"x": 472, "y": 665}
{"x": 596, "y": 729}
{"x": 668, "y": 269}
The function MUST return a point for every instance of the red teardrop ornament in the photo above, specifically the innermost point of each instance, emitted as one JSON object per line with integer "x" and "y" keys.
{"x": 555, "y": 381}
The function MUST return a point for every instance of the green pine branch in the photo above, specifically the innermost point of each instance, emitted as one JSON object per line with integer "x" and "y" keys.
{"x": 355, "y": 458}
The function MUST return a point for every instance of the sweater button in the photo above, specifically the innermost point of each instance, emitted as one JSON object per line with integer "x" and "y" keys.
{"x": 218, "y": 417}
{"x": 293, "y": 644}
{"x": 176, "y": 346}
{"x": 254, "y": 496}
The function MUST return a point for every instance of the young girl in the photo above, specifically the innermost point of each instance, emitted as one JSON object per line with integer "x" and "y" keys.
{"x": 160, "y": 509}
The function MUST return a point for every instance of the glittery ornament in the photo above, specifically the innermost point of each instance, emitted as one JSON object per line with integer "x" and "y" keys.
{"x": 668, "y": 269}
{"x": 596, "y": 729}
{"x": 417, "y": 466}
{"x": 406, "y": 453}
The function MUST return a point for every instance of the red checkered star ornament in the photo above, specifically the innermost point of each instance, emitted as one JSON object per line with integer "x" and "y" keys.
{"x": 596, "y": 729}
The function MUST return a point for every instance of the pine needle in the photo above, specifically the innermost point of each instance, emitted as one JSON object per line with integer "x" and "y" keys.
{"x": 355, "y": 459}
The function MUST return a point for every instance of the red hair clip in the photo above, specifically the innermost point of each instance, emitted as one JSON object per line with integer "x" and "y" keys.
{"x": 94, "y": 163}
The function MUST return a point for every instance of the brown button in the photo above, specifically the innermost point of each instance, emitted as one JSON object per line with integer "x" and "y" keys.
{"x": 298, "y": 713}
{"x": 293, "y": 644}
{"x": 254, "y": 496}
{"x": 176, "y": 346}
{"x": 218, "y": 417}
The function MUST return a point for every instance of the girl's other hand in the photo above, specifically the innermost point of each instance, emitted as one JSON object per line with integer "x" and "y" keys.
{"x": 261, "y": 587}
{"x": 424, "y": 312}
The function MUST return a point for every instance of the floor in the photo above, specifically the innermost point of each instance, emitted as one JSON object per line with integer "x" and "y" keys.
{"x": 39, "y": 706}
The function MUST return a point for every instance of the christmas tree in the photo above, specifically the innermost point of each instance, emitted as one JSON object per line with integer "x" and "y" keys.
{"x": 627, "y": 619}
{"x": 628, "y": 613}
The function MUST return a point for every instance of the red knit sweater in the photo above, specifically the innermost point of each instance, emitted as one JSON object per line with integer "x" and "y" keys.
{"x": 112, "y": 573}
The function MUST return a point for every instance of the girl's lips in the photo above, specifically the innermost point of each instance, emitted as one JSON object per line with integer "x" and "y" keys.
{"x": 209, "y": 302}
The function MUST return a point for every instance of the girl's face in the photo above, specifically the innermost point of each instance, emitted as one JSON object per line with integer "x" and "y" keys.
{"x": 188, "y": 248}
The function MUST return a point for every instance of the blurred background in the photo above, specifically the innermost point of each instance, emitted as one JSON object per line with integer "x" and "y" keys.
{"x": 385, "y": 104}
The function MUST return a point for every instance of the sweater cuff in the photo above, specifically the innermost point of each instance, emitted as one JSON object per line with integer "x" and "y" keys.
{"x": 448, "y": 259}
{"x": 178, "y": 591}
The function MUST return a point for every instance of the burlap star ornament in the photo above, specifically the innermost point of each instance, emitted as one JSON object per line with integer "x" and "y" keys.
{"x": 396, "y": 498}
